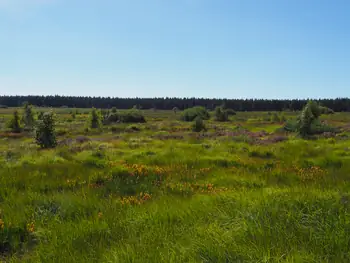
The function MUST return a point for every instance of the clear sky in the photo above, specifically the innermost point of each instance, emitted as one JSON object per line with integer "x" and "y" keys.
{"x": 182, "y": 48}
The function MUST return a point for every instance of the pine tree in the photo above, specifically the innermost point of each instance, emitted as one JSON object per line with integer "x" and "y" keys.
{"x": 28, "y": 117}
{"x": 45, "y": 134}
{"x": 15, "y": 124}
{"x": 95, "y": 120}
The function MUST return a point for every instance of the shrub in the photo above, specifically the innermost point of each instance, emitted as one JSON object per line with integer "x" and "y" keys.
{"x": 132, "y": 116}
{"x": 291, "y": 126}
{"x": 28, "y": 117}
{"x": 308, "y": 122}
{"x": 129, "y": 116}
{"x": 325, "y": 110}
{"x": 198, "y": 124}
{"x": 95, "y": 119}
{"x": 114, "y": 110}
{"x": 221, "y": 114}
{"x": 198, "y": 111}
{"x": 15, "y": 124}
{"x": 45, "y": 134}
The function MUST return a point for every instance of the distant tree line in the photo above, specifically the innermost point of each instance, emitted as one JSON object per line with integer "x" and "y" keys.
{"x": 339, "y": 104}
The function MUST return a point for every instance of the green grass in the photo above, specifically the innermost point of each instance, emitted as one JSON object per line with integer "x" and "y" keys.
{"x": 163, "y": 193}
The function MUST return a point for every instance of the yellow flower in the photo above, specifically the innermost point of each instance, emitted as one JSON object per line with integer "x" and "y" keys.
{"x": 100, "y": 215}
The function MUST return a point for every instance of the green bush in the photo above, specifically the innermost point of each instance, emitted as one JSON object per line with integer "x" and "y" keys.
{"x": 132, "y": 116}
{"x": 95, "y": 120}
{"x": 15, "y": 124}
{"x": 192, "y": 113}
{"x": 45, "y": 134}
{"x": 308, "y": 123}
{"x": 291, "y": 126}
{"x": 129, "y": 116}
{"x": 325, "y": 110}
{"x": 198, "y": 124}
{"x": 221, "y": 114}
{"x": 28, "y": 117}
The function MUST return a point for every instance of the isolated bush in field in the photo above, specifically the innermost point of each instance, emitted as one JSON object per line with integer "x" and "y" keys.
{"x": 326, "y": 110}
{"x": 304, "y": 121}
{"x": 28, "y": 117}
{"x": 132, "y": 116}
{"x": 221, "y": 114}
{"x": 114, "y": 110}
{"x": 95, "y": 119}
{"x": 198, "y": 124}
{"x": 15, "y": 124}
{"x": 175, "y": 110}
{"x": 308, "y": 122}
{"x": 45, "y": 134}
{"x": 111, "y": 118}
{"x": 191, "y": 114}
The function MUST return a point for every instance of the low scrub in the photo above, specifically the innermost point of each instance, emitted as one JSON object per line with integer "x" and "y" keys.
{"x": 129, "y": 116}
{"x": 192, "y": 113}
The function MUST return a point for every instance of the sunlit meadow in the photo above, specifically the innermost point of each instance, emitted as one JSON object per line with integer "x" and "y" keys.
{"x": 241, "y": 191}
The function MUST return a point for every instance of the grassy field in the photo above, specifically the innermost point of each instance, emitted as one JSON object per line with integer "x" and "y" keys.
{"x": 243, "y": 191}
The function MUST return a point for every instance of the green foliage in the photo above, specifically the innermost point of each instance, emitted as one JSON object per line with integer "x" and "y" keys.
{"x": 191, "y": 114}
{"x": 114, "y": 110}
{"x": 132, "y": 116}
{"x": 128, "y": 116}
{"x": 326, "y": 110}
{"x": 291, "y": 125}
{"x": 28, "y": 117}
{"x": 308, "y": 122}
{"x": 45, "y": 133}
{"x": 221, "y": 114}
{"x": 15, "y": 124}
{"x": 95, "y": 119}
{"x": 91, "y": 199}
{"x": 198, "y": 124}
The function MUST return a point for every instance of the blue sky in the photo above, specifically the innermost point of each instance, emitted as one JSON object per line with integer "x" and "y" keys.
{"x": 182, "y": 48}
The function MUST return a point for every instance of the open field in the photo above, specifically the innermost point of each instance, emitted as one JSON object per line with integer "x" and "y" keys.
{"x": 242, "y": 191}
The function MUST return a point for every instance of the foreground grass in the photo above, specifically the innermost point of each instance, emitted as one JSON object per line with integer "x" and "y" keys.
{"x": 147, "y": 196}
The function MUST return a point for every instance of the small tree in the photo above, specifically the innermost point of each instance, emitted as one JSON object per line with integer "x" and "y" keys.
{"x": 95, "y": 119}
{"x": 175, "y": 110}
{"x": 28, "y": 117}
{"x": 15, "y": 123}
{"x": 198, "y": 124}
{"x": 114, "y": 110}
{"x": 309, "y": 114}
{"x": 221, "y": 114}
{"x": 45, "y": 134}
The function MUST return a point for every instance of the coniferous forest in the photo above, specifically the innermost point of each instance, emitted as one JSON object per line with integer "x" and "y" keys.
{"x": 338, "y": 104}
